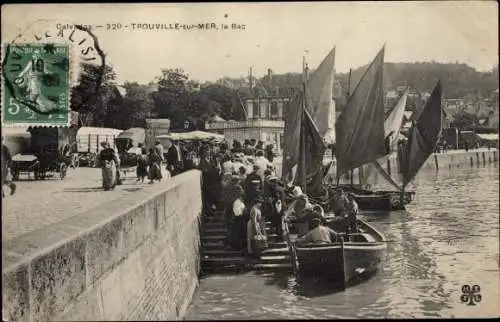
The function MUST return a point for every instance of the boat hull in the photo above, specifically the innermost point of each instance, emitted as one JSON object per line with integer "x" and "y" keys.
{"x": 379, "y": 200}
{"x": 360, "y": 255}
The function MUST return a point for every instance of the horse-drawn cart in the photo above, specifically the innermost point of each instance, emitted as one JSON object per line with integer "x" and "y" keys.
{"x": 50, "y": 154}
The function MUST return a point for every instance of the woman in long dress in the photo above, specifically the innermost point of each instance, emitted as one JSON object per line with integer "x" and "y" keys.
{"x": 154, "y": 161}
{"x": 142, "y": 165}
{"x": 256, "y": 225}
{"x": 108, "y": 161}
{"x": 237, "y": 229}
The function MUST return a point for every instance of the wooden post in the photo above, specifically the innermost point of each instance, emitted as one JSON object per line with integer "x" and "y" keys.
{"x": 477, "y": 158}
{"x": 344, "y": 270}
{"x": 484, "y": 159}
{"x": 436, "y": 163}
{"x": 389, "y": 166}
{"x": 471, "y": 161}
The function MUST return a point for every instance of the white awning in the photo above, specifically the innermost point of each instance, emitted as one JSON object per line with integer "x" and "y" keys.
{"x": 489, "y": 136}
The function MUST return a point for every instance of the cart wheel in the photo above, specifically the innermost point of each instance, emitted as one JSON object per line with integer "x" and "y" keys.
{"x": 62, "y": 170}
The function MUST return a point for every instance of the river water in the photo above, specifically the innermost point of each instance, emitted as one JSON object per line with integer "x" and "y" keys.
{"x": 447, "y": 238}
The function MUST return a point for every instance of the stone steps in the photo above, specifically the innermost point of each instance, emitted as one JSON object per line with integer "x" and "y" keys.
{"x": 217, "y": 258}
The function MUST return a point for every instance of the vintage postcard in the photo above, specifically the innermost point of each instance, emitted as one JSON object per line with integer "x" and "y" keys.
{"x": 253, "y": 160}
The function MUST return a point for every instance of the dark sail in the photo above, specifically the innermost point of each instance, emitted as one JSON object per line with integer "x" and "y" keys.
{"x": 315, "y": 150}
{"x": 423, "y": 137}
{"x": 291, "y": 149}
{"x": 360, "y": 127}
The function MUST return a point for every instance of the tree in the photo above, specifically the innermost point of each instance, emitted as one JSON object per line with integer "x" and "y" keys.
{"x": 135, "y": 107}
{"x": 93, "y": 92}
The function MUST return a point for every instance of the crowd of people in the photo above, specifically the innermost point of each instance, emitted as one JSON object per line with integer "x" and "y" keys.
{"x": 243, "y": 184}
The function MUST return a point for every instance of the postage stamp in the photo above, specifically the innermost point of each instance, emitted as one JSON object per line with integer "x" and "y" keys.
{"x": 36, "y": 84}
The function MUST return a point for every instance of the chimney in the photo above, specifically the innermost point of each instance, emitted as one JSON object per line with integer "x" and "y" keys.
{"x": 250, "y": 79}
{"x": 270, "y": 80}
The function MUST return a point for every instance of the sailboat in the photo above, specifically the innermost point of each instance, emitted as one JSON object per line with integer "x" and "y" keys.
{"x": 356, "y": 253}
{"x": 388, "y": 198}
{"x": 422, "y": 138}
{"x": 411, "y": 156}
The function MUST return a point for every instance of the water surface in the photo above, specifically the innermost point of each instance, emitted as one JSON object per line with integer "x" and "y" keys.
{"x": 448, "y": 237}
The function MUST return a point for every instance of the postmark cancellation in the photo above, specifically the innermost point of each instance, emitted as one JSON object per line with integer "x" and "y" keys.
{"x": 36, "y": 85}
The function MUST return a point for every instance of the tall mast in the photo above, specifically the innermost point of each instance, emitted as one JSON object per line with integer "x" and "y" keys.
{"x": 347, "y": 97}
{"x": 303, "y": 177}
{"x": 349, "y": 84}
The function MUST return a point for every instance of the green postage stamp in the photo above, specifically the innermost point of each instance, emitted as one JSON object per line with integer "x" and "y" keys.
{"x": 36, "y": 84}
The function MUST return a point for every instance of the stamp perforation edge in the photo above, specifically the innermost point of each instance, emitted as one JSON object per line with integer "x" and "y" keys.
{"x": 71, "y": 63}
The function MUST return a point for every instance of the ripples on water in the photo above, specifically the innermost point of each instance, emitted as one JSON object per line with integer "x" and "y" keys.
{"x": 448, "y": 237}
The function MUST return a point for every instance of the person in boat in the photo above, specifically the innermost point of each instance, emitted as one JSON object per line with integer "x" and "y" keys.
{"x": 299, "y": 211}
{"x": 272, "y": 169}
{"x": 338, "y": 202}
{"x": 318, "y": 234}
{"x": 236, "y": 227}
{"x": 352, "y": 211}
{"x": 253, "y": 186}
{"x": 317, "y": 212}
{"x": 108, "y": 160}
{"x": 256, "y": 228}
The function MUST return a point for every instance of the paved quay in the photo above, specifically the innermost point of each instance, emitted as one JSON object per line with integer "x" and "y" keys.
{"x": 37, "y": 204}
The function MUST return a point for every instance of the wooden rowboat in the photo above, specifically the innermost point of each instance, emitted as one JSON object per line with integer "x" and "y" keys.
{"x": 356, "y": 255}
{"x": 380, "y": 200}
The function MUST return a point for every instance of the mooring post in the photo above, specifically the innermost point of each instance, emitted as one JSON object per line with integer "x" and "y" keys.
{"x": 484, "y": 159}
{"x": 436, "y": 163}
{"x": 477, "y": 158}
{"x": 471, "y": 161}
{"x": 388, "y": 166}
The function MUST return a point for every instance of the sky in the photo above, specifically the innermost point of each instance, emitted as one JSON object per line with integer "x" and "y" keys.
{"x": 276, "y": 35}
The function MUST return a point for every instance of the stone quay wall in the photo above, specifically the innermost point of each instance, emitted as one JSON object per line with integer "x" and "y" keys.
{"x": 445, "y": 160}
{"x": 134, "y": 258}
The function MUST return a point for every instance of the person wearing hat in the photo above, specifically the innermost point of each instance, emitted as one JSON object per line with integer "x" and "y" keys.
{"x": 236, "y": 228}
{"x": 338, "y": 202}
{"x": 242, "y": 174}
{"x": 253, "y": 186}
{"x": 227, "y": 164}
{"x": 6, "y": 169}
{"x": 237, "y": 162}
{"x": 299, "y": 211}
{"x": 271, "y": 168}
{"x": 276, "y": 197}
{"x": 261, "y": 161}
{"x": 318, "y": 234}
{"x": 256, "y": 228}
{"x": 108, "y": 160}
{"x": 351, "y": 213}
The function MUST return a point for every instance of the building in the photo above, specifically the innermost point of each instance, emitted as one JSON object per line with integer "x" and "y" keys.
{"x": 454, "y": 103}
{"x": 264, "y": 122}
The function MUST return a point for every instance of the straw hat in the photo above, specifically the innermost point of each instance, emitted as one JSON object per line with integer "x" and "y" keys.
{"x": 259, "y": 199}
{"x": 297, "y": 192}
